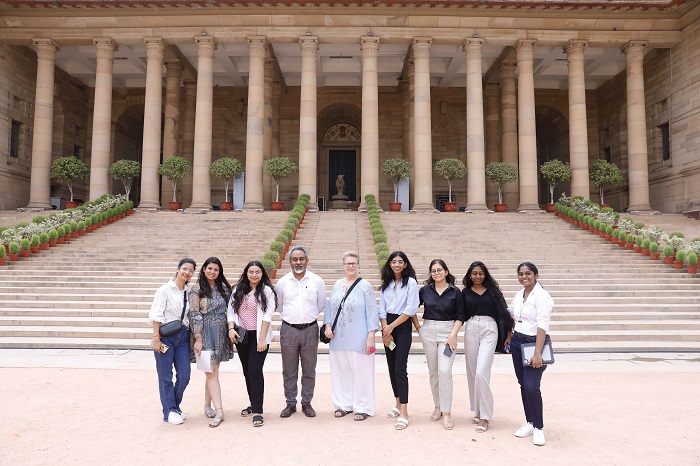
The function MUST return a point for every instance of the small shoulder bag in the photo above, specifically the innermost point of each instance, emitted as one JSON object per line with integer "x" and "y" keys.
{"x": 171, "y": 328}
{"x": 322, "y": 333}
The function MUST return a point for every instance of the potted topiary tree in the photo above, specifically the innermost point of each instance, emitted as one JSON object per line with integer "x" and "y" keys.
{"x": 278, "y": 168}
{"x": 227, "y": 168}
{"x": 125, "y": 171}
{"x": 13, "y": 251}
{"x": 34, "y": 244}
{"x": 174, "y": 169}
{"x": 500, "y": 173}
{"x": 692, "y": 263}
{"x": 450, "y": 168}
{"x": 2, "y": 254}
{"x": 654, "y": 251}
{"x": 554, "y": 172}
{"x": 43, "y": 241}
{"x": 397, "y": 169}
{"x": 680, "y": 259}
{"x": 24, "y": 246}
{"x": 69, "y": 169}
{"x": 604, "y": 173}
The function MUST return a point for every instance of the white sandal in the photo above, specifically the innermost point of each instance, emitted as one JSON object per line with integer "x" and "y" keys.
{"x": 394, "y": 413}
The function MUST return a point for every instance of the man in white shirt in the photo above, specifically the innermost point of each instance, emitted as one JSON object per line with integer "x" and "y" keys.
{"x": 301, "y": 297}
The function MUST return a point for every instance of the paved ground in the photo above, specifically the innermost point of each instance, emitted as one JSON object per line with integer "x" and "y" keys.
{"x": 88, "y": 407}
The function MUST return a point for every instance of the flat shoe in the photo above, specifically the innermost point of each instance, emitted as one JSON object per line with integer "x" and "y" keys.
{"x": 475, "y": 420}
{"x": 361, "y": 416}
{"x": 482, "y": 429}
{"x": 435, "y": 418}
{"x": 401, "y": 423}
{"x": 209, "y": 412}
{"x": 341, "y": 412}
{"x": 216, "y": 421}
{"x": 258, "y": 420}
{"x": 394, "y": 413}
{"x": 247, "y": 411}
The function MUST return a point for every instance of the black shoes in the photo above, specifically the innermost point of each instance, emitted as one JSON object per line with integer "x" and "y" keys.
{"x": 288, "y": 410}
{"x": 308, "y": 410}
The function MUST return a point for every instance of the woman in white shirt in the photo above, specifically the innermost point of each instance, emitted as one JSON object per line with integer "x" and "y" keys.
{"x": 398, "y": 304}
{"x": 169, "y": 305}
{"x": 531, "y": 308}
{"x": 253, "y": 301}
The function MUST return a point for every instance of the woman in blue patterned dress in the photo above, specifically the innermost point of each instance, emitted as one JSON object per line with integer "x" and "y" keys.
{"x": 208, "y": 303}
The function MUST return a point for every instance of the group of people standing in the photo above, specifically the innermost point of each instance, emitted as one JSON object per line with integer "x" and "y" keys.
{"x": 217, "y": 311}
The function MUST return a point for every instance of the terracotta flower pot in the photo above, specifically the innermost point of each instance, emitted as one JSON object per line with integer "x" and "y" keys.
{"x": 395, "y": 206}
{"x": 638, "y": 249}
{"x": 629, "y": 246}
{"x": 81, "y": 232}
{"x": 74, "y": 234}
{"x": 278, "y": 206}
{"x": 500, "y": 207}
{"x": 66, "y": 239}
{"x": 615, "y": 240}
{"x": 43, "y": 246}
{"x": 601, "y": 234}
{"x": 668, "y": 260}
{"x": 654, "y": 255}
{"x": 24, "y": 253}
{"x": 608, "y": 237}
{"x": 549, "y": 207}
{"x": 677, "y": 264}
{"x": 227, "y": 206}
{"x": 450, "y": 206}
{"x": 71, "y": 204}
{"x": 622, "y": 244}
{"x": 273, "y": 275}
{"x": 34, "y": 249}
{"x": 174, "y": 205}
{"x": 58, "y": 241}
{"x": 2, "y": 261}
{"x": 13, "y": 257}
{"x": 692, "y": 269}
{"x": 645, "y": 252}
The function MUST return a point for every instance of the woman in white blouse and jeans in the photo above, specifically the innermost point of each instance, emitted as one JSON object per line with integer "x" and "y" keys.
{"x": 168, "y": 305}
{"x": 531, "y": 308}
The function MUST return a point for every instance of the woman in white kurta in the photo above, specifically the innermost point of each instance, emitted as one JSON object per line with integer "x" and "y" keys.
{"x": 352, "y": 343}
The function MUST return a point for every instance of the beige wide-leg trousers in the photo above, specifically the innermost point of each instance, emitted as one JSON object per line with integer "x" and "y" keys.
{"x": 480, "y": 338}
{"x": 434, "y": 335}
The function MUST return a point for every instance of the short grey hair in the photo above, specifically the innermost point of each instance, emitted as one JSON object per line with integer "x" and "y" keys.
{"x": 299, "y": 248}
{"x": 351, "y": 254}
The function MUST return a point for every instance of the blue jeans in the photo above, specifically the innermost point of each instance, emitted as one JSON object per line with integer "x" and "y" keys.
{"x": 529, "y": 379}
{"x": 178, "y": 355}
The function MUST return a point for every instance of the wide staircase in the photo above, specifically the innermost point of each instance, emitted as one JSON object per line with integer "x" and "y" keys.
{"x": 96, "y": 292}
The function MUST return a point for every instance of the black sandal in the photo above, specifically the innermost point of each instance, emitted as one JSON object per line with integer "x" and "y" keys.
{"x": 247, "y": 411}
{"x": 341, "y": 412}
{"x": 361, "y": 416}
{"x": 258, "y": 420}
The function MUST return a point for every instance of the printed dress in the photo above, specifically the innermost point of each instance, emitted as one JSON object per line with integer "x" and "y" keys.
{"x": 208, "y": 321}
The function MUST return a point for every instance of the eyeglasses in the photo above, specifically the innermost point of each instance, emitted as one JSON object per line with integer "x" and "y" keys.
{"x": 255, "y": 272}
{"x": 437, "y": 271}
{"x": 350, "y": 264}
{"x": 190, "y": 271}
{"x": 397, "y": 262}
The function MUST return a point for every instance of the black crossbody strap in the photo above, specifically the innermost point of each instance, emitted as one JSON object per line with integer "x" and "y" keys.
{"x": 184, "y": 304}
{"x": 340, "y": 307}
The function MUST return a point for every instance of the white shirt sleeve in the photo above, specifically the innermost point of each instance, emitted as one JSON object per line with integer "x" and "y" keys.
{"x": 157, "y": 312}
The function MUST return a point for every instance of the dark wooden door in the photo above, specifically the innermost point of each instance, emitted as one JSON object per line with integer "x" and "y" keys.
{"x": 342, "y": 162}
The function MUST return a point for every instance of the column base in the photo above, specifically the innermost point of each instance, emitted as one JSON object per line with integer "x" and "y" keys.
{"x": 425, "y": 207}
{"x": 40, "y": 205}
{"x": 641, "y": 208}
{"x": 477, "y": 207}
{"x": 200, "y": 206}
{"x": 312, "y": 206}
{"x": 253, "y": 206}
{"x": 149, "y": 205}
{"x": 529, "y": 207}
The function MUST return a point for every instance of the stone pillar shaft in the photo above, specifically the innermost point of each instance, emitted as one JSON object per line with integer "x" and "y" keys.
{"x": 637, "y": 158}
{"x": 423, "y": 130}
{"x": 412, "y": 130}
{"x": 578, "y": 127}
{"x": 370, "y": 119}
{"x": 308, "y": 114}
{"x": 201, "y": 178}
{"x": 188, "y": 114}
{"x": 173, "y": 76}
{"x": 509, "y": 128}
{"x": 267, "y": 130}
{"x": 527, "y": 134}
{"x": 42, "y": 140}
{"x": 493, "y": 135}
{"x": 102, "y": 118}
{"x": 254, "y": 151}
{"x": 152, "y": 110}
{"x": 476, "y": 164}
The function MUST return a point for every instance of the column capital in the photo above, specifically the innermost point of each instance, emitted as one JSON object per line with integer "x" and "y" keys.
{"x": 476, "y": 42}
{"x": 633, "y": 50}
{"x": 190, "y": 85}
{"x": 421, "y": 47}
{"x": 472, "y": 48}
{"x": 205, "y": 46}
{"x": 155, "y": 46}
{"x": 46, "y": 48}
{"x": 574, "y": 49}
{"x": 507, "y": 71}
{"x": 105, "y": 47}
{"x": 525, "y": 49}
{"x": 369, "y": 42}
{"x": 308, "y": 42}
{"x": 173, "y": 64}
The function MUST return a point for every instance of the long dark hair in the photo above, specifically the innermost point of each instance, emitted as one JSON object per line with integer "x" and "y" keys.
{"x": 532, "y": 267}
{"x": 387, "y": 272}
{"x": 222, "y": 285}
{"x": 243, "y": 288}
{"x": 489, "y": 281}
{"x": 448, "y": 277}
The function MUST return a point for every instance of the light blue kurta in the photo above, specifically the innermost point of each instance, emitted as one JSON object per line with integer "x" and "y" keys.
{"x": 360, "y": 314}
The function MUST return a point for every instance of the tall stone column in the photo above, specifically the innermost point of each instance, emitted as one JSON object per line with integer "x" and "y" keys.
{"x": 637, "y": 158}
{"x": 254, "y": 150}
{"x": 370, "y": 120}
{"x": 267, "y": 130}
{"x": 276, "y": 101}
{"x": 493, "y": 134}
{"x": 527, "y": 134}
{"x": 152, "y": 110}
{"x": 578, "y": 127}
{"x": 201, "y": 178}
{"x": 476, "y": 163}
{"x": 188, "y": 114}
{"x": 509, "y": 130}
{"x": 308, "y": 114}
{"x": 171, "y": 127}
{"x": 102, "y": 118}
{"x": 423, "y": 130}
{"x": 412, "y": 129}
{"x": 40, "y": 184}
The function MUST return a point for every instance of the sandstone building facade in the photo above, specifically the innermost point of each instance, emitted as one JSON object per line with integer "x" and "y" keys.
{"x": 340, "y": 87}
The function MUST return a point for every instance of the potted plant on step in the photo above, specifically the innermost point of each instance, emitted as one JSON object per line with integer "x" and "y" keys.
{"x": 680, "y": 259}
{"x": 654, "y": 251}
{"x": 174, "y": 169}
{"x": 554, "y": 172}
{"x": 227, "y": 168}
{"x": 692, "y": 263}
{"x": 69, "y": 169}
{"x": 2, "y": 254}
{"x": 668, "y": 254}
{"x": 34, "y": 244}
{"x": 397, "y": 169}
{"x": 500, "y": 173}
{"x": 24, "y": 245}
{"x": 450, "y": 168}
{"x": 43, "y": 241}
{"x": 13, "y": 251}
{"x": 604, "y": 173}
{"x": 278, "y": 168}
{"x": 125, "y": 171}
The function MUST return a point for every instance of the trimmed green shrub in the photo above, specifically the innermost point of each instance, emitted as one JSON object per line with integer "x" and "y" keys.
{"x": 668, "y": 251}
{"x": 678, "y": 234}
{"x": 273, "y": 256}
{"x": 382, "y": 257}
{"x": 268, "y": 265}
{"x": 653, "y": 247}
{"x": 87, "y": 221}
{"x": 81, "y": 225}
{"x": 280, "y": 238}
{"x": 38, "y": 219}
{"x": 609, "y": 230}
{"x": 381, "y": 247}
{"x": 2, "y": 251}
{"x": 646, "y": 243}
{"x": 61, "y": 231}
{"x": 43, "y": 237}
{"x": 24, "y": 244}
{"x": 53, "y": 234}
{"x": 692, "y": 259}
{"x": 596, "y": 224}
{"x": 73, "y": 227}
{"x": 616, "y": 234}
{"x": 13, "y": 247}
{"x": 379, "y": 238}
{"x": 680, "y": 255}
{"x": 34, "y": 241}
{"x": 277, "y": 246}
{"x": 638, "y": 240}
{"x": 288, "y": 233}
{"x": 630, "y": 238}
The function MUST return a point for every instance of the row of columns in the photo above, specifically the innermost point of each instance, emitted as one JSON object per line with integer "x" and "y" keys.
{"x": 518, "y": 145}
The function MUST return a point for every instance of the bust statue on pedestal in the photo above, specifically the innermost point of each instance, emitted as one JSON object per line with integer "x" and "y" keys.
{"x": 340, "y": 200}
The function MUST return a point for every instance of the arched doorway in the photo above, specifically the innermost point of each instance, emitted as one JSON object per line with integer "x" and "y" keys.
{"x": 128, "y": 145}
{"x": 552, "y": 143}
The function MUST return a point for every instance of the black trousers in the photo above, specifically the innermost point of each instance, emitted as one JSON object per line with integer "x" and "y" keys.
{"x": 252, "y": 362}
{"x": 397, "y": 359}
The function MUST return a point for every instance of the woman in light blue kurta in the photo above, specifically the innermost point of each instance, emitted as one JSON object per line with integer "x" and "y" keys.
{"x": 352, "y": 342}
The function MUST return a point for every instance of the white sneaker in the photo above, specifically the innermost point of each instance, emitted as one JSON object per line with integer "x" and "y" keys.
{"x": 174, "y": 418}
{"x": 183, "y": 416}
{"x": 525, "y": 430}
{"x": 538, "y": 437}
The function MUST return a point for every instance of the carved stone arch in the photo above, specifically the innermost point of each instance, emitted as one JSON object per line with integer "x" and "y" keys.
{"x": 342, "y": 132}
